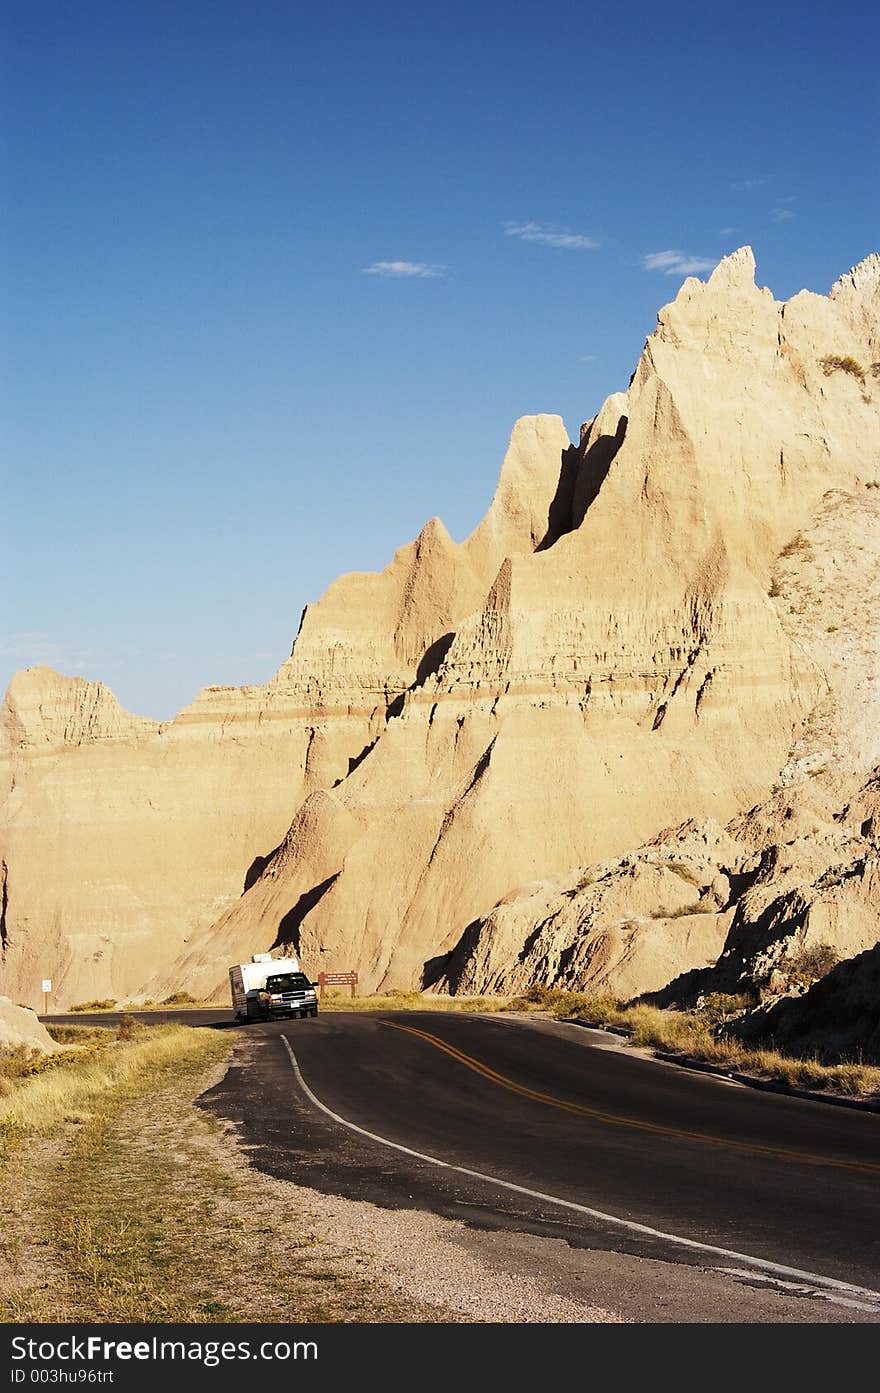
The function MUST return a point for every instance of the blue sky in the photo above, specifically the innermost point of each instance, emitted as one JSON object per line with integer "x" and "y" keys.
{"x": 279, "y": 277}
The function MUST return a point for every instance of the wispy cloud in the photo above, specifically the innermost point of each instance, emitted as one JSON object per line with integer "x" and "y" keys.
{"x": 782, "y": 212}
{"x": 405, "y": 269}
{"x": 746, "y": 185}
{"x": 673, "y": 263}
{"x": 589, "y": 357}
{"x": 550, "y": 236}
{"x": 727, "y": 231}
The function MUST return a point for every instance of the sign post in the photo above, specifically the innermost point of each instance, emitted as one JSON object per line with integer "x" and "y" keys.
{"x": 337, "y": 979}
{"x": 47, "y": 987}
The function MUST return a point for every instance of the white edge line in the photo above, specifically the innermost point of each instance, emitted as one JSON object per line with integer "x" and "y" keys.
{"x": 777, "y": 1269}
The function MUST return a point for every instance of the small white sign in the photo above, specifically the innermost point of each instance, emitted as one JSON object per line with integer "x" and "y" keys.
{"x": 47, "y": 984}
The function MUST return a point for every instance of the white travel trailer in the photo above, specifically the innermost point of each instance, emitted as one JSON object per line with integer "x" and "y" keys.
{"x": 267, "y": 988}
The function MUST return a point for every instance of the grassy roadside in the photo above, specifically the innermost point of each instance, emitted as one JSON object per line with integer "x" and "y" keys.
{"x": 701, "y": 1036}
{"x": 121, "y": 1201}
{"x": 180, "y": 1001}
{"x": 80, "y": 1084}
{"x": 698, "y": 1035}
{"x": 331, "y": 1001}
{"x": 412, "y": 1001}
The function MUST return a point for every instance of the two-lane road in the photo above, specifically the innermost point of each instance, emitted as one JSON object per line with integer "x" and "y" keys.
{"x": 544, "y": 1128}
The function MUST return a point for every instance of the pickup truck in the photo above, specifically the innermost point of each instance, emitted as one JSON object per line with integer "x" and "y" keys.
{"x": 288, "y": 994}
{"x": 266, "y": 988}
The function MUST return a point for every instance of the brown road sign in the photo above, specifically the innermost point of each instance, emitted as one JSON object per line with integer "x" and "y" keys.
{"x": 338, "y": 979}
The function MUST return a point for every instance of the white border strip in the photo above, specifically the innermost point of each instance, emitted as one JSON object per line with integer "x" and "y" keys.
{"x": 826, "y": 1285}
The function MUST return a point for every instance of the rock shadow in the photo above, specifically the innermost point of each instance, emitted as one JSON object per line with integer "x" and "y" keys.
{"x": 432, "y": 658}
{"x": 256, "y": 868}
{"x": 452, "y": 965}
{"x": 289, "y": 925}
{"x": 598, "y": 457}
{"x": 560, "y": 512}
{"x": 434, "y": 969}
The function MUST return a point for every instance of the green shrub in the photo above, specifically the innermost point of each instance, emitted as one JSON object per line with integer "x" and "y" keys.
{"x": 719, "y": 1007}
{"x": 128, "y": 1028}
{"x": 81, "y": 1034}
{"x": 561, "y": 1002}
{"x": 806, "y": 965}
{"x": 18, "y": 1061}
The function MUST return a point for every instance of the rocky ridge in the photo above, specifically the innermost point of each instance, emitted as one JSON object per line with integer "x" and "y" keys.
{"x": 632, "y": 640}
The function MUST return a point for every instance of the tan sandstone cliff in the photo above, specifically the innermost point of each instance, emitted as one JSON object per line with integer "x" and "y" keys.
{"x": 634, "y": 638}
{"x": 122, "y": 841}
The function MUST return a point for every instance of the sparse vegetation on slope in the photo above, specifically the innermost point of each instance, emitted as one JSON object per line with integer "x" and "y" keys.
{"x": 842, "y": 363}
{"x": 807, "y": 965}
{"x": 701, "y": 1035}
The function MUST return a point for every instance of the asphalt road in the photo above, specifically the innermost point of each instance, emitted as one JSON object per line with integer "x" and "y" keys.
{"x": 555, "y": 1131}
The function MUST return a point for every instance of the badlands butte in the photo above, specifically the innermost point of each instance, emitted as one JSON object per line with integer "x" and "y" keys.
{"x": 624, "y": 738}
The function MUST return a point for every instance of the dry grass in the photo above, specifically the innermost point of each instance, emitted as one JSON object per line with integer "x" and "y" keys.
{"x": 82, "y": 1034}
{"x": 414, "y": 1001}
{"x": 81, "y": 1080}
{"x": 843, "y": 363}
{"x": 180, "y": 1001}
{"x": 698, "y": 1035}
{"x": 100, "y": 1218}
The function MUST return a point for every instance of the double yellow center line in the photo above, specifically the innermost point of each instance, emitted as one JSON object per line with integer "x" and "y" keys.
{"x": 477, "y": 1066}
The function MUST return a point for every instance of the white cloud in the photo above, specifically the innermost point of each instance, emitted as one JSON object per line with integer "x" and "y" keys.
{"x": 673, "y": 263}
{"x": 727, "y": 231}
{"x": 550, "y": 236}
{"x": 589, "y": 357}
{"x": 781, "y": 214}
{"x": 405, "y": 269}
{"x": 746, "y": 185}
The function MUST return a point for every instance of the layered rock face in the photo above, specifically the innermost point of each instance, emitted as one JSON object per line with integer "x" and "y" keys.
{"x": 631, "y": 671}
{"x": 635, "y": 637}
{"x": 698, "y": 909}
{"x": 122, "y": 840}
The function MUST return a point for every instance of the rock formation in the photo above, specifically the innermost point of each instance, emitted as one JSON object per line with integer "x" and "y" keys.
{"x": 657, "y": 627}
{"x": 837, "y": 1019}
{"x": 122, "y": 840}
{"x": 19, "y": 1026}
{"x": 697, "y": 909}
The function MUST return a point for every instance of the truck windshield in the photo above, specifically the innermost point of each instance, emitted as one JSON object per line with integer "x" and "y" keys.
{"x": 287, "y": 982}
